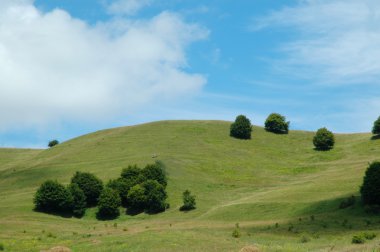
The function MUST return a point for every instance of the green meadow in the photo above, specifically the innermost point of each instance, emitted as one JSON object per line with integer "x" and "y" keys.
{"x": 284, "y": 194}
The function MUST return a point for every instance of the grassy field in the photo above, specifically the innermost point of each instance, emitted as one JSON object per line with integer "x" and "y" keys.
{"x": 284, "y": 194}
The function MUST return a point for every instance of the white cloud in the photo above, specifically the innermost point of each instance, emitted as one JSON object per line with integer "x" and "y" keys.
{"x": 339, "y": 40}
{"x": 127, "y": 7}
{"x": 55, "y": 67}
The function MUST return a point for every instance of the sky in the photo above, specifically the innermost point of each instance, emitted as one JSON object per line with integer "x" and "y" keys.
{"x": 69, "y": 67}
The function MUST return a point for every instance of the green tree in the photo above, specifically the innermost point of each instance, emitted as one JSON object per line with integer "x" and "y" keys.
{"x": 79, "y": 200}
{"x": 52, "y": 197}
{"x": 376, "y": 127}
{"x": 324, "y": 139}
{"x": 155, "y": 196}
{"x": 109, "y": 204}
{"x": 188, "y": 201}
{"x": 155, "y": 172}
{"x": 277, "y": 123}
{"x": 53, "y": 143}
{"x": 241, "y": 128}
{"x": 136, "y": 198}
{"x": 122, "y": 186}
{"x": 90, "y": 185}
{"x": 370, "y": 189}
{"x": 132, "y": 173}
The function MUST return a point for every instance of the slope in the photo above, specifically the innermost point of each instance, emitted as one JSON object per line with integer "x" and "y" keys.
{"x": 258, "y": 183}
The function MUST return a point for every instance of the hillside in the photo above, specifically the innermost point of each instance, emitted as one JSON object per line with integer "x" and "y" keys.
{"x": 257, "y": 183}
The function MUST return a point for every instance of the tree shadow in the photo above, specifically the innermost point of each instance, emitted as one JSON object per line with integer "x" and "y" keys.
{"x": 375, "y": 137}
{"x": 62, "y": 214}
{"x": 133, "y": 212}
{"x": 106, "y": 217}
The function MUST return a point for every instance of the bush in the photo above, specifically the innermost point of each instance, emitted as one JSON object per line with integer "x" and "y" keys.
{"x": 324, "y": 139}
{"x": 155, "y": 172}
{"x": 236, "y": 233}
{"x": 136, "y": 198}
{"x": 132, "y": 173}
{"x": 188, "y": 201}
{"x": 369, "y": 236}
{"x": 52, "y": 197}
{"x": 1, "y": 247}
{"x": 90, "y": 185}
{"x": 155, "y": 196}
{"x": 109, "y": 203}
{"x": 370, "y": 189}
{"x": 241, "y": 128}
{"x": 358, "y": 239}
{"x": 277, "y": 123}
{"x": 53, "y": 143}
{"x": 122, "y": 186}
{"x": 79, "y": 200}
{"x": 376, "y": 127}
{"x": 350, "y": 201}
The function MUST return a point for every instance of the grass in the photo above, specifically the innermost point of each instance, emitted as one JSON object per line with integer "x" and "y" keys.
{"x": 257, "y": 183}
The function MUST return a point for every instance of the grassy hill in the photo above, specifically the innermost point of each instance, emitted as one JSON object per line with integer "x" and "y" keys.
{"x": 277, "y": 187}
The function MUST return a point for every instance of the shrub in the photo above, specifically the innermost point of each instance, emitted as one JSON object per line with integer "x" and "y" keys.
{"x": 350, "y": 201}
{"x": 109, "y": 203}
{"x": 52, "y": 197}
{"x": 136, "y": 198}
{"x": 90, "y": 185}
{"x": 358, "y": 239}
{"x": 1, "y": 247}
{"x": 376, "y": 127}
{"x": 79, "y": 200}
{"x": 324, "y": 139}
{"x": 53, "y": 143}
{"x": 236, "y": 233}
{"x": 370, "y": 189}
{"x": 155, "y": 196}
{"x": 369, "y": 236}
{"x": 241, "y": 128}
{"x": 188, "y": 201}
{"x": 277, "y": 123}
{"x": 155, "y": 172}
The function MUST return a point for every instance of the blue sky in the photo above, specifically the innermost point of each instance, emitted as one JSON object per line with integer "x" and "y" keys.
{"x": 72, "y": 67}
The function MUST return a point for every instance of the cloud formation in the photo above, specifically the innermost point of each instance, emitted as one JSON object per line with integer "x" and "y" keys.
{"x": 55, "y": 67}
{"x": 339, "y": 40}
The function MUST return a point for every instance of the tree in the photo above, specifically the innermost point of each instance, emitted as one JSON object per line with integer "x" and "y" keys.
{"x": 90, "y": 185}
{"x": 376, "y": 127}
{"x": 109, "y": 203}
{"x": 277, "y": 123}
{"x": 79, "y": 200}
{"x": 155, "y": 196}
{"x": 136, "y": 198}
{"x": 53, "y": 143}
{"x": 132, "y": 173}
{"x": 324, "y": 139}
{"x": 241, "y": 128}
{"x": 188, "y": 201}
{"x": 52, "y": 197}
{"x": 122, "y": 186}
{"x": 155, "y": 172}
{"x": 370, "y": 189}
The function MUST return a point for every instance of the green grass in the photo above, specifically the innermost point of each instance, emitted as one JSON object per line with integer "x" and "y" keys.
{"x": 257, "y": 183}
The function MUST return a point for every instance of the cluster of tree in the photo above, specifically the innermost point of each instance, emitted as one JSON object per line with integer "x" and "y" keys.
{"x": 136, "y": 189}
{"x": 142, "y": 189}
{"x": 82, "y": 192}
{"x": 276, "y": 123}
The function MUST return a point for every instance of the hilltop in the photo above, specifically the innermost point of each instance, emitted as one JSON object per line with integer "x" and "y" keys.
{"x": 257, "y": 183}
